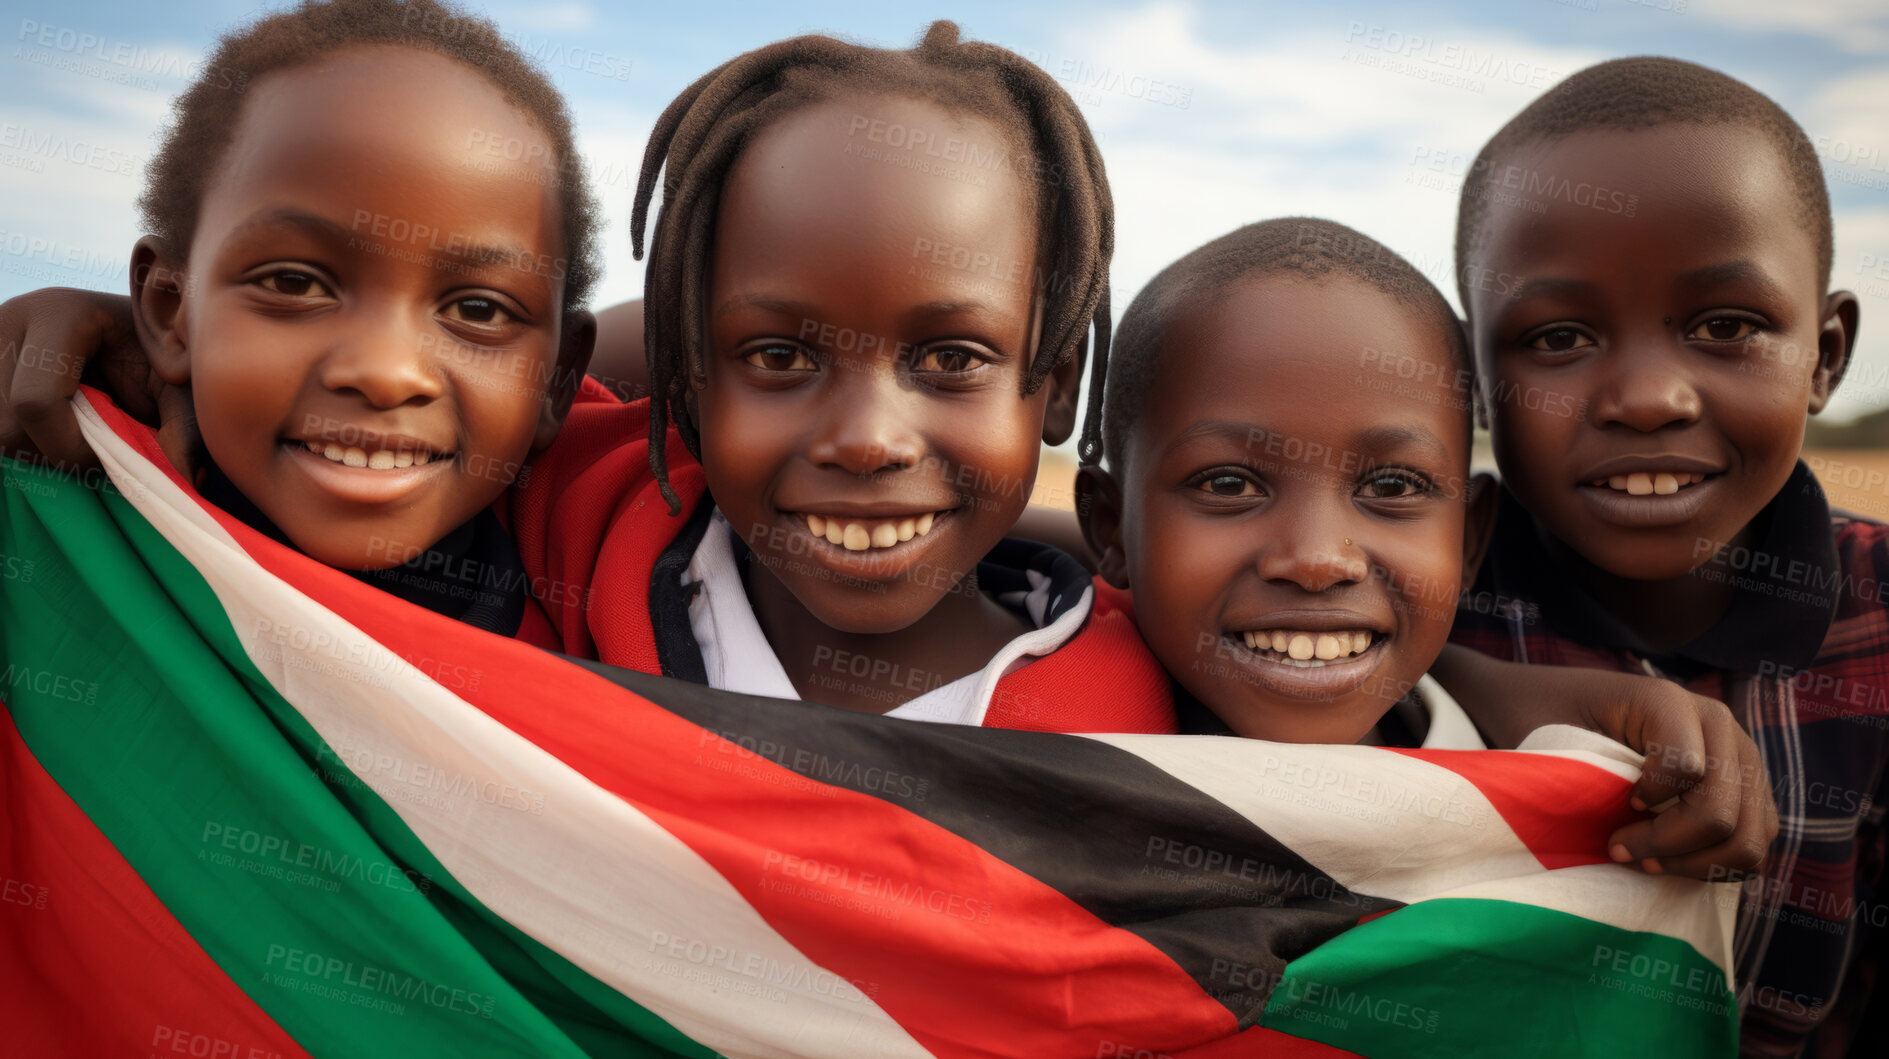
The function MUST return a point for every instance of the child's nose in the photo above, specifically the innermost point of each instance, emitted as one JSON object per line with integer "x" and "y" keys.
{"x": 388, "y": 365}
{"x": 1645, "y": 392}
{"x": 867, "y": 429}
{"x": 1312, "y": 553}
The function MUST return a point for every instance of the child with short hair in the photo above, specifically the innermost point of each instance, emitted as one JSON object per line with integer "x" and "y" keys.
{"x": 1644, "y": 253}
{"x": 372, "y": 361}
{"x": 1295, "y": 544}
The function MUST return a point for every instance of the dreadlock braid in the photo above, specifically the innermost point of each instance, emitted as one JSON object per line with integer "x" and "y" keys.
{"x": 702, "y": 133}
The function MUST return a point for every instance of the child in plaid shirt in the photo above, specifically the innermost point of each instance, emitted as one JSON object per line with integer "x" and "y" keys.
{"x": 1644, "y": 254}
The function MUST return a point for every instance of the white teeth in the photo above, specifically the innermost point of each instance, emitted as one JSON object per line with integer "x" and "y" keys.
{"x": 859, "y": 536}
{"x": 1307, "y": 646}
{"x": 1651, "y": 483}
{"x": 377, "y": 460}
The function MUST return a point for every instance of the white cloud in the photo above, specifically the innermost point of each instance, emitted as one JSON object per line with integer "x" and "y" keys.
{"x": 1852, "y": 25}
{"x": 1346, "y": 124}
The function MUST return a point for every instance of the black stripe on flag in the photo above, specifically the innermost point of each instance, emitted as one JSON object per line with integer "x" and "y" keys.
{"x": 1135, "y": 846}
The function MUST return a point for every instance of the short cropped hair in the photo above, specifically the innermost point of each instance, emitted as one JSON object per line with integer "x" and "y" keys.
{"x": 1305, "y": 247}
{"x": 205, "y": 117}
{"x": 1644, "y": 92}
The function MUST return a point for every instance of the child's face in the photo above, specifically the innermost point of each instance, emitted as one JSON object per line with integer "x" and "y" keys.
{"x": 856, "y": 377}
{"x": 364, "y": 281}
{"x": 1278, "y": 483}
{"x": 1651, "y": 334}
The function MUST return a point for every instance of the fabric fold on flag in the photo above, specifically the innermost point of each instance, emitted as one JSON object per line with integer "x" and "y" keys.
{"x": 258, "y": 808}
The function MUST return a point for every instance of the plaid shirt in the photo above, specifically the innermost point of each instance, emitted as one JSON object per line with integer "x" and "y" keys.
{"x": 1800, "y": 658}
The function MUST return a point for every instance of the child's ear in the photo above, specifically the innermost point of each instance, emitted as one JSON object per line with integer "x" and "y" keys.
{"x": 1834, "y": 343}
{"x": 1065, "y": 383}
{"x": 1099, "y": 511}
{"x": 1481, "y": 498}
{"x": 157, "y": 309}
{"x": 577, "y": 337}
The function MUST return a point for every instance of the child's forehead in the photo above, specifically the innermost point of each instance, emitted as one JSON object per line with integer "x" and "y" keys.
{"x": 1278, "y": 347}
{"x": 1721, "y": 173}
{"x": 1644, "y": 206}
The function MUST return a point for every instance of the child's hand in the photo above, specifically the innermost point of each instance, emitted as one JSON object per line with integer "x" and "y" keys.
{"x": 52, "y": 340}
{"x": 1720, "y": 820}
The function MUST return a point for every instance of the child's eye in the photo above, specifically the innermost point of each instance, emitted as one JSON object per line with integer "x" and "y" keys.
{"x": 294, "y": 284}
{"x": 1559, "y": 340}
{"x": 1228, "y": 485}
{"x": 1393, "y": 485}
{"x": 485, "y": 312}
{"x": 1723, "y": 329}
{"x": 781, "y": 358}
{"x": 949, "y": 360}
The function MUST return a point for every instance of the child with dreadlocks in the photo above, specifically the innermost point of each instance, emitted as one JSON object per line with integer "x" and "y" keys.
{"x": 870, "y": 285}
{"x": 371, "y": 360}
{"x": 1645, "y": 254}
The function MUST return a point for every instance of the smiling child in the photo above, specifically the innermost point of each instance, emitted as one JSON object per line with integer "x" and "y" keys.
{"x": 1295, "y": 545}
{"x": 1645, "y": 256}
{"x": 866, "y": 415}
{"x": 371, "y": 360}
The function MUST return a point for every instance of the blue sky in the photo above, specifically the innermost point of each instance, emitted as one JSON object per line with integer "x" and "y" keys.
{"x": 1208, "y": 115}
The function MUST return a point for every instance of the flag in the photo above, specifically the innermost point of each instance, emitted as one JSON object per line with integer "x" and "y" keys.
{"x": 255, "y": 808}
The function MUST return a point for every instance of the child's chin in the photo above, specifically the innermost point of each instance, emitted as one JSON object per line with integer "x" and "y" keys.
{"x": 1649, "y": 561}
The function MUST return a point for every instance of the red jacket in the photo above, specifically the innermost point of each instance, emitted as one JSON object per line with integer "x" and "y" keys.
{"x": 590, "y": 523}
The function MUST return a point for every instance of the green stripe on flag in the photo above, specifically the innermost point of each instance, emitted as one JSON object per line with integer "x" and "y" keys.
{"x": 1457, "y": 976}
{"x": 354, "y": 946}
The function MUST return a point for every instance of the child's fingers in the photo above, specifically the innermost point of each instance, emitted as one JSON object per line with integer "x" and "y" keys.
{"x": 47, "y": 364}
{"x": 1718, "y": 829}
{"x": 1669, "y": 725}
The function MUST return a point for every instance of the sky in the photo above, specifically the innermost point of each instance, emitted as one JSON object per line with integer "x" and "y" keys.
{"x": 1208, "y": 115}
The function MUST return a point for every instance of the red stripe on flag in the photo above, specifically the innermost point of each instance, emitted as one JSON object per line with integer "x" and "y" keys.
{"x": 107, "y": 969}
{"x": 1588, "y": 803}
{"x": 765, "y": 827}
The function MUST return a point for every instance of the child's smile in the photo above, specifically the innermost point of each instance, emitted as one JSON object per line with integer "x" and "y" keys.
{"x": 1293, "y": 539}
{"x": 1687, "y": 338}
{"x": 366, "y": 469}
{"x": 863, "y": 427}
{"x": 369, "y": 392}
